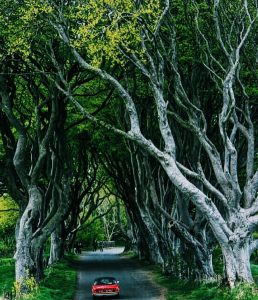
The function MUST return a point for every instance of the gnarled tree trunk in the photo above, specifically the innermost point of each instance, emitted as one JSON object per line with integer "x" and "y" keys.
{"x": 56, "y": 247}
{"x": 25, "y": 259}
{"x": 236, "y": 255}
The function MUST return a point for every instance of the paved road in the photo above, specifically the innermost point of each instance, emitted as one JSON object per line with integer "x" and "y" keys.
{"x": 135, "y": 283}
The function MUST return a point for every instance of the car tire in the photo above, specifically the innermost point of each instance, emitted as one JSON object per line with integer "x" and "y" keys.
{"x": 93, "y": 297}
{"x": 117, "y": 296}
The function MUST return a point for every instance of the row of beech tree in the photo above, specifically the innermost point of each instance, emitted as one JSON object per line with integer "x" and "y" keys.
{"x": 172, "y": 87}
{"x": 54, "y": 178}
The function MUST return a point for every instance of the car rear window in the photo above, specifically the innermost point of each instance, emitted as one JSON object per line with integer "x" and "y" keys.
{"x": 105, "y": 281}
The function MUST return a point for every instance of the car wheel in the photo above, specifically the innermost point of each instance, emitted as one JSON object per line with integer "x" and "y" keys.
{"x": 93, "y": 297}
{"x": 117, "y": 296}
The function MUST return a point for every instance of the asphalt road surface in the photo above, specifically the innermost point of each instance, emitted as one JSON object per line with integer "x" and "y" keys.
{"x": 135, "y": 283}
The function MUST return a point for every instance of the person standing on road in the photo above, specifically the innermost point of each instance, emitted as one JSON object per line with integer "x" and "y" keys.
{"x": 101, "y": 246}
{"x": 95, "y": 245}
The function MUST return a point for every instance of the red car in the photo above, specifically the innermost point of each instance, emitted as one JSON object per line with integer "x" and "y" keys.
{"x": 105, "y": 286}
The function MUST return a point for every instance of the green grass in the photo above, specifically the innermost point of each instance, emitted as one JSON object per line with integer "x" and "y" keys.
{"x": 6, "y": 274}
{"x": 190, "y": 290}
{"x": 254, "y": 269}
{"x": 129, "y": 254}
{"x": 59, "y": 283}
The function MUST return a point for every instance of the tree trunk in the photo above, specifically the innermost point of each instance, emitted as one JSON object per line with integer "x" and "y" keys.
{"x": 147, "y": 239}
{"x": 29, "y": 260}
{"x": 205, "y": 271}
{"x": 57, "y": 246}
{"x": 23, "y": 260}
{"x": 237, "y": 262}
{"x": 25, "y": 264}
{"x": 37, "y": 256}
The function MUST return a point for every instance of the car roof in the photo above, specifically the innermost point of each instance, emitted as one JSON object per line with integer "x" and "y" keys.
{"x": 105, "y": 277}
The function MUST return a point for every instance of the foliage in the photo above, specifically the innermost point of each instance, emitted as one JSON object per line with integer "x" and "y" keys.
{"x": 32, "y": 288}
{"x": 8, "y": 219}
{"x": 109, "y": 25}
{"x": 103, "y": 28}
{"x": 107, "y": 226}
{"x": 6, "y": 274}
{"x": 17, "y": 29}
{"x": 241, "y": 292}
{"x": 186, "y": 290}
{"x": 109, "y": 221}
{"x": 59, "y": 283}
{"x": 91, "y": 232}
{"x": 7, "y": 246}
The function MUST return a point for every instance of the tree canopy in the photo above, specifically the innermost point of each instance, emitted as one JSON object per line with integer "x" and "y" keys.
{"x": 158, "y": 96}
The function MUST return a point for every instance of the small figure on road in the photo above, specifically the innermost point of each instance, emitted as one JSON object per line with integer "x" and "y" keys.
{"x": 95, "y": 245}
{"x": 79, "y": 247}
{"x": 101, "y": 246}
{"x": 75, "y": 249}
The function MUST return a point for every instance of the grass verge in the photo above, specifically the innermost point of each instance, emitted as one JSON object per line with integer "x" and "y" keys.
{"x": 6, "y": 274}
{"x": 59, "y": 282}
{"x": 190, "y": 290}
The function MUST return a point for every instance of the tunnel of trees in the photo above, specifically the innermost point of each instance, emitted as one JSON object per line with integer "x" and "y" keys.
{"x": 143, "y": 109}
